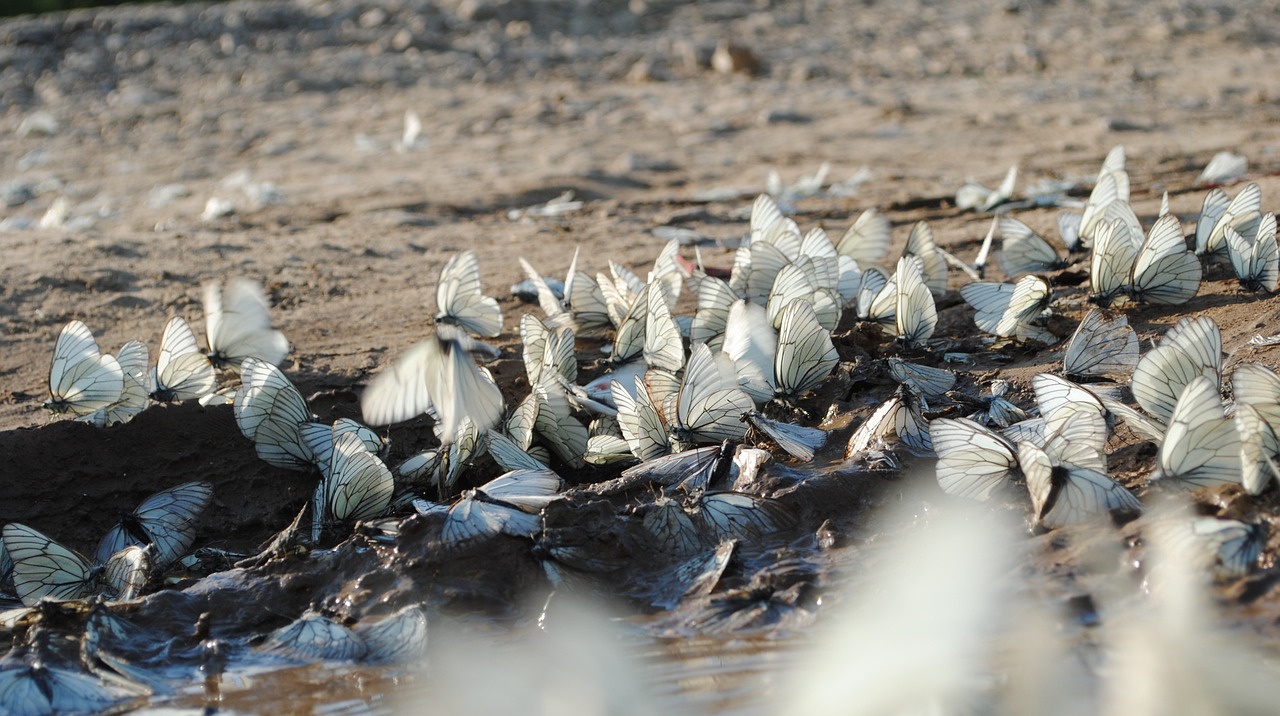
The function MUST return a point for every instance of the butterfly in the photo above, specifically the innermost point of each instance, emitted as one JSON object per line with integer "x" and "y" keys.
{"x": 320, "y": 438}
{"x": 315, "y": 637}
{"x": 877, "y": 298}
{"x": 740, "y": 516}
{"x": 973, "y": 461}
{"x": 460, "y": 298}
{"x": 925, "y": 381}
{"x": 133, "y": 359}
{"x": 709, "y": 405}
{"x": 1064, "y": 493}
{"x": 867, "y": 240}
{"x": 238, "y": 325}
{"x": 581, "y": 306}
{"x": 436, "y": 374}
{"x": 182, "y": 372}
{"x": 1192, "y": 347}
{"x": 1009, "y": 310}
{"x": 43, "y": 568}
{"x": 508, "y": 504}
{"x": 1256, "y": 260}
{"x": 805, "y": 355}
{"x": 1101, "y": 345}
{"x": 897, "y": 419}
{"x": 39, "y": 687}
{"x": 166, "y": 520}
{"x": 975, "y": 196}
{"x": 357, "y": 485}
{"x": 81, "y": 378}
{"x": 1259, "y": 447}
{"x": 798, "y": 441}
{"x": 398, "y": 638}
{"x": 270, "y": 411}
{"x": 641, "y": 423}
{"x": 1023, "y": 251}
{"x": 933, "y": 265}
{"x": 1158, "y": 270}
{"x": 915, "y": 314}
{"x": 1243, "y": 214}
{"x": 715, "y": 298}
{"x": 662, "y": 348}
{"x": 556, "y": 425}
{"x": 1202, "y": 445}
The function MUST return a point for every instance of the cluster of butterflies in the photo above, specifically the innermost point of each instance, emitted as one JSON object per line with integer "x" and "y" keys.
{"x": 679, "y": 391}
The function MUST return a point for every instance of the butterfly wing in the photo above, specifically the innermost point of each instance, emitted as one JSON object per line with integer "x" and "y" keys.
{"x": 43, "y": 568}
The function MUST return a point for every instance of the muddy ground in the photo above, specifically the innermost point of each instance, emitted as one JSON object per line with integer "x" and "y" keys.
{"x": 292, "y": 114}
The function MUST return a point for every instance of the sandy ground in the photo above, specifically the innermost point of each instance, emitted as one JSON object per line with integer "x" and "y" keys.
{"x": 291, "y": 111}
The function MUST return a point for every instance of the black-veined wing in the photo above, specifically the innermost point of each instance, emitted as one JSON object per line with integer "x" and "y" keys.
{"x": 640, "y": 421}
{"x": 867, "y": 240}
{"x": 182, "y": 372}
{"x": 924, "y": 380}
{"x": 798, "y": 441}
{"x": 1115, "y": 249}
{"x": 460, "y": 298}
{"x": 710, "y": 405}
{"x": 39, "y": 688}
{"x": 1164, "y": 271}
{"x": 509, "y": 455}
{"x": 1063, "y": 495}
{"x": 81, "y": 378}
{"x": 398, "y": 638}
{"x": 1024, "y": 251}
{"x": 663, "y": 349}
{"x": 1191, "y": 348}
{"x": 134, "y": 397}
{"x": 714, "y": 301}
{"x": 270, "y": 411}
{"x": 317, "y": 637}
{"x": 672, "y": 526}
{"x": 738, "y": 515}
{"x": 1256, "y": 260}
{"x": 1102, "y": 345}
{"x": 126, "y": 573}
{"x": 628, "y": 342}
{"x": 915, "y": 314}
{"x": 43, "y": 568}
{"x": 767, "y": 260}
{"x": 877, "y": 297}
{"x": 166, "y": 520}
{"x": 238, "y": 325}
{"x": 933, "y": 265}
{"x": 358, "y": 485}
{"x": 1112, "y": 187}
{"x": 1059, "y": 399}
{"x": 805, "y": 355}
{"x": 556, "y": 425}
{"x": 973, "y": 461}
{"x": 1145, "y": 426}
{"x": 1259, "y": 447}
{"x": 1241, "y": 213}
{"x": 1201, "y": 446}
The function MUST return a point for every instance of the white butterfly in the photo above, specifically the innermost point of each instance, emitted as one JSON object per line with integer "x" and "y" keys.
{"x": 1112, "y": 187}
{"x": 714, "y": 301}
{"x": 1059, "y": 400}
{"x": 398, "y": 638}
{"x": 805, "y": 355}
{"x": 166, "y": 520}
{"x": 238, "y": 325}
{"x": 1023, "y": 251}
{"x": 1009, "y": 310}
{"x": 182, "y": 372}
{"x": 1243, "y": 213}
{"x": 756, "y": 267}
{"x": 798, "y": 441}
{"x": 356, "y": 487}
{"x": 270, "y": 411}
{"x": 460, "y": 298}
{"x": 710, "y": 405}
{"x": 794, "y": 283}
{"x": 1259, "y": 447}
{"x": 1201, "y": 446}
{"x": 925, "y": 381}
{"x": 508, "y": 504}
{"x": 509, "y": 455}
{"x": 752, "y": 343}
{"x": 582, "y": 306}
{"x": 1256, "y": 260}
{"x": 556, "y": 425}
{"x": 915, "y": 314}
{"x": 641, "y": 422}
{"x": 933, "y": 265}
{"x": 997, "y": 410}
{"x": 897, "y": 419}
{"x": 1158, "y": 270}
{"x": 867, "y": 241}
{"x": 547, "y": 351}
{"x": 1191, "y": 348}
{"x": 740, "y": 516}
{"x": 1102, "y": 345}
{"x": 672, "y": 526}
{"x": 877, "y": 297}
{"x": 438, "y": 374}
{"x": 973, "y": 461}
{"x": 319, "y": 439}
{"x": 133, "y": 361}
{"x": 1064, "y": 494}
{"x": 315, "y": 637}
{"x": 44, "y": 688}
{"x": 81, "y": 378}
{"x": 628, "y": 342}
{"x": 1258, "y": 386}
{"x": 975, "y": 196}
{"x": 663, "y": 348}
{"x": 43, "y": 568}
